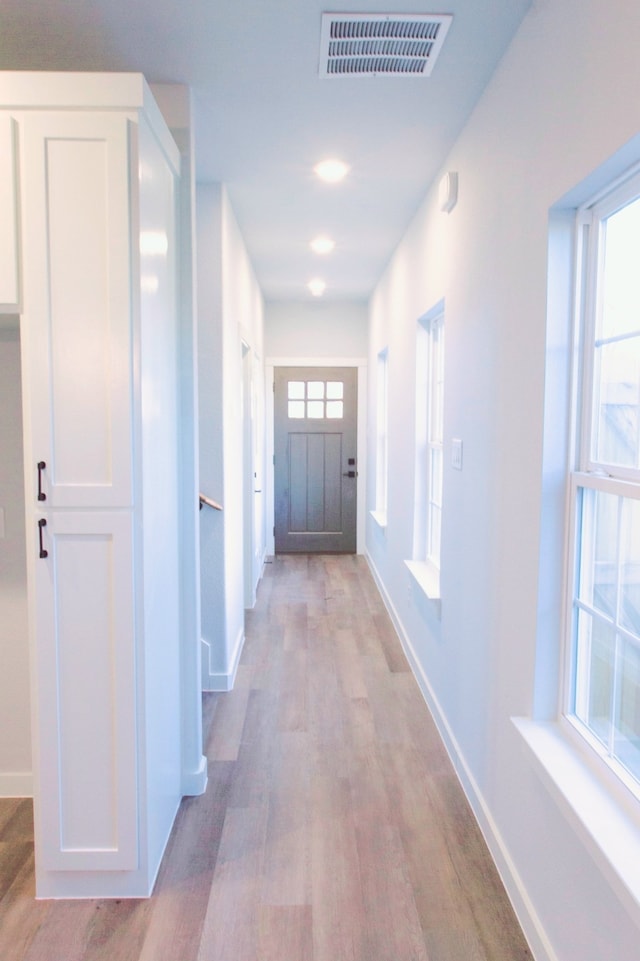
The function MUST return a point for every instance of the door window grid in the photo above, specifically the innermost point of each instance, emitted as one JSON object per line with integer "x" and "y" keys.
{"x": 315, "y": 400}
{"x": 604, "y": 690}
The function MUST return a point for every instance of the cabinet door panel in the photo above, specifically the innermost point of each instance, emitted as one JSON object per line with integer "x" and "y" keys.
{"x": 85, "y": 664}
{"x": 77, "y": 311}
{"x": 9, "y": 265}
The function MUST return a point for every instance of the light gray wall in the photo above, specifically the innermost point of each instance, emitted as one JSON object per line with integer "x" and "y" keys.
{"x": 15, "y": 725}
{"x": 558, "y": 106}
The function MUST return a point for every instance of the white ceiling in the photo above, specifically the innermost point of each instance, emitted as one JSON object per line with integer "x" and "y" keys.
{"x": 264, "y": 117}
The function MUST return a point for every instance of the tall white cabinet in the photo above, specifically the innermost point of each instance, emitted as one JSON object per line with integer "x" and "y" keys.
{"x": 92, "y": 267}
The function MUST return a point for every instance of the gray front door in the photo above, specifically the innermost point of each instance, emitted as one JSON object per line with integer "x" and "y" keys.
{"x": 315, "y": 459}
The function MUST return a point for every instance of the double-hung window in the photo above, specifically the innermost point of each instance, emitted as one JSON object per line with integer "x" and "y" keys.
{"x": 603, "y": 689}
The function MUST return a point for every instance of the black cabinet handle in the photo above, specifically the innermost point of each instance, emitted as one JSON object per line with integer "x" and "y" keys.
{"x": 41, "y": 524}
{"x": 41, "y": 495}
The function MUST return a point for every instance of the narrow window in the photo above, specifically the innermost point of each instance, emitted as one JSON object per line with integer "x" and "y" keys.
{"x": 429, "y": 407}
{"x": 382, "y": 440}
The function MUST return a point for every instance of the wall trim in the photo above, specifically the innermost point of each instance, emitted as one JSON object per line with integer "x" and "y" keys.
{"x": 221, "y": 680}
{"x": 516, "y": 891}
{"x": 16, "y": 785}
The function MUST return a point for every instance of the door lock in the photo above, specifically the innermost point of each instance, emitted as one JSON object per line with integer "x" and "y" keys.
{"x": 350, "y": 473}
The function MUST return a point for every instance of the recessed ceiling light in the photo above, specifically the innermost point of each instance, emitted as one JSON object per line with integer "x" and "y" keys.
{"x": 331, "y": 171}
{"x": 322, "y": 244}
{"x": 317, "y": 287}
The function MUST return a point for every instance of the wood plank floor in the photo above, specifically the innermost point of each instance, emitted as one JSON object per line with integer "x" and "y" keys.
{"x": 332, "y": 829}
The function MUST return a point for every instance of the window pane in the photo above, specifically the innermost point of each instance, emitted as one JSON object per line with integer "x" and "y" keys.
{"x": 627, "y": 742}
{"x": 435, "y": 524}
{"x": 617, "y": 380}
{"x": 621, "y": 277}
{"x": 315, "y": 390}
{"x": 295, "y": 390}
{"x": 594, "y": 683}
{"x": 334, "y": 409}
{"x": 630, "y": 566}
{"x": 315, "y": 409}
{"x": 335, "y": 389}
{"x": 435, "y": 475}
{"x": 599, "y": 550}
{"x": 296, "y": 409}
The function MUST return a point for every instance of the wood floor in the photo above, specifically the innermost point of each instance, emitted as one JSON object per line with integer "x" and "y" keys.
{"x": 333, "y": 827}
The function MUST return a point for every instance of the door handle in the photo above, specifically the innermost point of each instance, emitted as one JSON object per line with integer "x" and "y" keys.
{"x": 41, "y": 494}
{"x": 41, "y": 525}
{"x": 350, "y": 473}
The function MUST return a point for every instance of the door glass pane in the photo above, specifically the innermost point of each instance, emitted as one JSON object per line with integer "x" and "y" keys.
{"x": 296, "y": 409}
{"x": 334, "y": 409}
{"x": 335, "y": 389}
{"x": 315, "y": 390}
{"x": 295, "y": 390}
{"x": 315, "y": 409}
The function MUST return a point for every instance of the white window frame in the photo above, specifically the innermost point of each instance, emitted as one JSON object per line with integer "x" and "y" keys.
{"x": 588, "y": 473}
{"x": 429, "y": 449}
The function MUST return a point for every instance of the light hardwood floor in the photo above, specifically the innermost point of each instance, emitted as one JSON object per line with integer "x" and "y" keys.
{"x": 333, "y": 827}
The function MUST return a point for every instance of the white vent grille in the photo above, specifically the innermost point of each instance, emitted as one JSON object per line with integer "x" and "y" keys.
{"x": 369, "y": 45}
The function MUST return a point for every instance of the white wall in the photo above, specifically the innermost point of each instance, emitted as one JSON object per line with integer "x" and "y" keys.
{"x": 558, "y": 106}
{"x": 230, "y": 313}
{"x": 15, "y": 726}
{"x": 316, "y": 329}
{"x": 310, "y": 333}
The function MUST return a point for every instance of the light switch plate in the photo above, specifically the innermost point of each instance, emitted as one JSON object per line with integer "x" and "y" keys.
{"x": 456, "y": 453}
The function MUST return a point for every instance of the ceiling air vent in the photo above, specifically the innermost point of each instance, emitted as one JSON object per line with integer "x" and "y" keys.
{"x": 380, "y": 44}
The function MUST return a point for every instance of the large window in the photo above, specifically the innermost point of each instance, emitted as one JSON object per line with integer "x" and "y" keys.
{"x": 603, "y": 693}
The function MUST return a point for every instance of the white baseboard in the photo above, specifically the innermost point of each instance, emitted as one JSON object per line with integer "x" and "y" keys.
{"x": 16, "y": 785}
{"x": 220, "y": 680}
{"x": 514, "y": 886}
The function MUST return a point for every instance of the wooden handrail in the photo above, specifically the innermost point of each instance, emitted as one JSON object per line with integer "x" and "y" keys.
{"x": 209, "y": 502}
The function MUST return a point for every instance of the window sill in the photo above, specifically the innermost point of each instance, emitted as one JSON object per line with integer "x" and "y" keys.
{"x": 427, "y": 577}
{"x": 380, "y": 517}
{"x": 608, "y": 830}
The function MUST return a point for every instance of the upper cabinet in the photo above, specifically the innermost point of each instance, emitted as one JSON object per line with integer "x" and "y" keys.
{"x": 77, "y": 236}
{"x": 9, "y": 243}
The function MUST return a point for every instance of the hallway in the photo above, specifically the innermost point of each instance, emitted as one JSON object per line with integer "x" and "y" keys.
{"x": 333, "y": 827}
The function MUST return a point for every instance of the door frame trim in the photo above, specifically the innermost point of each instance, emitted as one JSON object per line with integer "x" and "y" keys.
{"x": 361, "y": 364}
